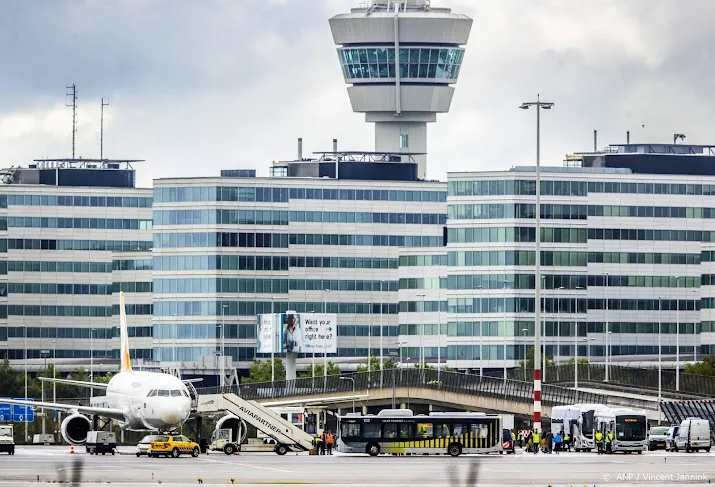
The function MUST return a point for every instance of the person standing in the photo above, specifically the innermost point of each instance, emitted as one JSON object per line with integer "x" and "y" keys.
{"x": 536, "y": 442}
{"x": 557, "y": 442}
{"x": 609, "y": 442}
{"x": 329, "y": 439}
{"x": 323, "y": 439}
{"x": 567, "y": 441}
{"x": 599, "y": 442}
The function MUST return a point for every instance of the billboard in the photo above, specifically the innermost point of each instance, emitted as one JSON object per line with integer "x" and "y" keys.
{"x": 297, "y": 333}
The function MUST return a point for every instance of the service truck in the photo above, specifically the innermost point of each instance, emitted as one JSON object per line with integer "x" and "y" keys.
{"x": 7, "y": 441}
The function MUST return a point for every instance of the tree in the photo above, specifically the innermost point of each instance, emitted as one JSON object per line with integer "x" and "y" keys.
{"x": 375, "y": 364}
{"x": 260, "y": 371}
{"x": 545, "y": 362}
{"x": 8, "y": 380}
{"x": 423, "y": 365}
{"x": 581, "y": 361}
{"x": 706, "y": 366}
{"x": 333, "y": 369}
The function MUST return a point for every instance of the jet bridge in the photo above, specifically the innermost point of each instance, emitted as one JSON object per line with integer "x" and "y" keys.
{"x": 263, "y": 419}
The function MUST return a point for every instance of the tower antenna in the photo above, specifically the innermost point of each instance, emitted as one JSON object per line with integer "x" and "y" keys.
{"x": 72, "y": 102}
{"x": 101, "y": 130}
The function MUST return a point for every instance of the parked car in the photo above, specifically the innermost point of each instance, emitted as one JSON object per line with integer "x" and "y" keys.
{"x": 657, "y": 437}
{"x": 144, "y": 444}
{"x": 173, "y": 445}
{"x": 670, "y": 437}
{"x": 693, "y": 435}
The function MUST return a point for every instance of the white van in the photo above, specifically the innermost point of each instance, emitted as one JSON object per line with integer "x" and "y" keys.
{"x": 693, "y": 435}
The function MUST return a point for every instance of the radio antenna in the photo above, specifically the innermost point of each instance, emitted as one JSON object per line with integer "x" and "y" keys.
{"x": 101, "y": 130}
{"x": 71, "y": 101}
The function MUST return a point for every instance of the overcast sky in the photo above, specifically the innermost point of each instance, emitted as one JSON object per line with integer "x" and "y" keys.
{"x": 203, "y": 85}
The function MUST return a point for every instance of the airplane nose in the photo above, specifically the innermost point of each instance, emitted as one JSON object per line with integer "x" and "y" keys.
{"x": 173, "y": 415}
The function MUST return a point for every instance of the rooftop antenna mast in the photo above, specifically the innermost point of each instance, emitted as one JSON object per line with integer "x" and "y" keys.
{"x": 71, "y": 93}
{"x": 101, "y": 130}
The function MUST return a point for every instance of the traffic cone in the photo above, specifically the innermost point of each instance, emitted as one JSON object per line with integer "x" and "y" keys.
{"x": 71, "y": 448}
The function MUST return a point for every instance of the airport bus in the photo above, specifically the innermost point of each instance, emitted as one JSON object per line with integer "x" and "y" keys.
{"x": 629, "y": 428}
{"x": 400, "y": 431}
{"x": 578, "y": 421}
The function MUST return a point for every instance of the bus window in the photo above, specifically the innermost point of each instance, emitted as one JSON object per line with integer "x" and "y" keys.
{"x": 389, "y": 431}
{"x": 441, "y": 430}
{"x": 350, "y": 430}
{"x": 479, "y": 430}
{"x": 424, "y": 431}
{"x": 371, "y": 431}
{"x": 458, "y": 429}
{"x": 405, "y": 431}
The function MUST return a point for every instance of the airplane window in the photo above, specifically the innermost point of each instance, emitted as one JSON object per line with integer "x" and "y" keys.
{"x": 152, "y": 393}
{"x": 175, "y": 393}
{"x": 163, "y": 393}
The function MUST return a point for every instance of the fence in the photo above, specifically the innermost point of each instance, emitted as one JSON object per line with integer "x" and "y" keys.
{"x": 512, "y": 390}
{"x": 677, "y": 411}
{"x": 641, "y": 378}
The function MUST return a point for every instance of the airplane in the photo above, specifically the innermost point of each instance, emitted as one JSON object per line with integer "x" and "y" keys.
{"x": 140, "y": 401}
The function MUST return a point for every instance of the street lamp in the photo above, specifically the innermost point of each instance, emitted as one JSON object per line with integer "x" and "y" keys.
{"x": 524, "y": 331}
{"x": 660, "y": 357}
{"x": 677, "y": 336}
{"x": 537, "y": 272}
{"x": 505, "y": 283}
{"x": 393, "y": 354}
{"x": 54, "y": 370}
{"x": 606, "y": 330}
{"x": 91, "y": 361}
{"x": 325, "y": 348}
{"x": 422, "y": 351}
{"x": 223, "y": 342}
{"x": 44, "y": 353}
{"x": 352, "y": 379}
{"x": 558, "y": 332}
{"x": 608, "y": 350}
{"x": 175, "y": 332}
{"x": 381, "y": 331}
{"x": 588, "y": 354}
{"x": 274, "y": 332}
{"x": 439, "y": 327}
{"x": 24, "y": 327}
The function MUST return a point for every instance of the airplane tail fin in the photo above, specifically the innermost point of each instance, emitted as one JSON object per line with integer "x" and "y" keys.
{"x": 123, "y": 336}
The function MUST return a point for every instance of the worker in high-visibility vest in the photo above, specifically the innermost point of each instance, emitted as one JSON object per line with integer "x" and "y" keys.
{"x": 599, "y": 442}
{"x": 609, "y": 442}
{"x": 536, "y": 441}
{"x": 329, "y": 441}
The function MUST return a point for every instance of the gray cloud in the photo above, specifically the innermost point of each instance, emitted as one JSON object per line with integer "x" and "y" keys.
{"x": 199, "y": 86}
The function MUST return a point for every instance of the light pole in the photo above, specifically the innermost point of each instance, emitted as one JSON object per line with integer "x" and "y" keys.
{"x": 173, "y": 336}
{"x": 394, "y": 397}
{"x": 558, "y": 332}
{"x": 660, "y": 357}
{"x": 91, "y": 361}
{"x": 369, "y": 332}
{"x": 54, "y": 370}
{"x": 223, "y": 342}
{"x": 44, "y": 354}
{"x": 422, "y": 351}
{"x": 606, "y": 330}
{"x": 274, "y": 332}
{"x": 381, "y": 332}
{"x": 352, "y": 379}
{"x": 537, "y": 272}
{"x": 325, "y": 348}
{"x": 439, "y": 328}
{"x": 677, "y": 335}
{"x": 588, "y": 354}
{"x": 524, "y": 331}
{"x": 24, "y": 327}
{"x": 505, "y": 282}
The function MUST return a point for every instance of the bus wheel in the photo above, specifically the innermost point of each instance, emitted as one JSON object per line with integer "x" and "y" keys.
{"x": 454, "y": 449}
{"x": 281, "y": 449}
{"x": 373, "y": 449}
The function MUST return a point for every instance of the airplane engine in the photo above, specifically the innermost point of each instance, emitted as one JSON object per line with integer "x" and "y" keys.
{"x": 235, "y": 424}
{"x": 75, "y": 428}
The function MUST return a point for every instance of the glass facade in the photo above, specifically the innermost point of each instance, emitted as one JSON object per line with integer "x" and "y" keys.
{"x": 416, "y": 63}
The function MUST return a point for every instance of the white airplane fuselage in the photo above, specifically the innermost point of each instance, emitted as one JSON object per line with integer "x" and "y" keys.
{"x": 168, "y": 407}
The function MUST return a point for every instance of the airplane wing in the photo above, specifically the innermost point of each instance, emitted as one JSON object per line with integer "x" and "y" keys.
{"x": 94, "y": 385}
{"x": 110, "y": 413}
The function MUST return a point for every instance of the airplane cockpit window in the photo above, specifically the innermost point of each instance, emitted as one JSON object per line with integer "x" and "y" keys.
{"x": 151, "y": 393}
{"x": 163, "y": 393}
{"x": 186, "y": 394}
{"x": 175, "y": 393}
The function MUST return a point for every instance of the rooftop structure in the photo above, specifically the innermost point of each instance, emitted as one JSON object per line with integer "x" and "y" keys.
{"x": 109, "y": 173}
{"x": 401, "y": 59}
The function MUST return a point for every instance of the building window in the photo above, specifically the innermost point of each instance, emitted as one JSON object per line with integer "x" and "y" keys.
{"x": 404, "y": 141}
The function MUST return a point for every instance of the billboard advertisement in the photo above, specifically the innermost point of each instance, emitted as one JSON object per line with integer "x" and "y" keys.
{"x": 297, "y": 333}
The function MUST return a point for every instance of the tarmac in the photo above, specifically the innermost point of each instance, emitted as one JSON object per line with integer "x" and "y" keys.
{"x": 48, "y": 464}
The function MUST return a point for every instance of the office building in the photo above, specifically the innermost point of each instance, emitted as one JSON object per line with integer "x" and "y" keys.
{"x": 73, "y": 233}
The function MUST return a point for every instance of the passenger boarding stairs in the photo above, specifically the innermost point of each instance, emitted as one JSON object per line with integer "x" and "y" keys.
{"x": 263, "y": 419}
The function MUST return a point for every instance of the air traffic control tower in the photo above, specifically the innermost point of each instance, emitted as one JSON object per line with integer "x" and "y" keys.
{"x": 425, "y": 43}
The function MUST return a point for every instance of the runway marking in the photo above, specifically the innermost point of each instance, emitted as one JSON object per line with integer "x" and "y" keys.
{"x": 251, "y": 466}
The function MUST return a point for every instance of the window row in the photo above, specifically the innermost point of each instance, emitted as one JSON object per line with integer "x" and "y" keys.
{"x": 650, "y": 188}
{"x": 37, "y": 310}
{"x": 220, "y": 262}
{"x": 101, "y": 201}
{"x": 252, "y": 308}
{"x": 423, "y": 260}
{"x": 651, "y": 211}
{"x": 103, "y": 245}
{"x": 490, "y": 328}
{"x": 132, "y": 265}
{"x": 422, "y": 306}
{"x": 515, "y": 281}
{"x": 196, "y": 331}
{"x": 50, "y": 266}
{"x": 516, "y": 188}
{"x": 707, "y": 256}
{"x": 281, "y": 195}
{"x": 345, "y": 262}
{"x": 414, "y": 62}
{"x": 423, "y": 329}
{"x": 19, "y": 354}
{"x": 648, "y": 304}
{"x": 515, "y": 234}
{"x": 643, "y": 258}
{"x": 366, "y": 240}
{"x": 79, "y": 333}
{"x": 221, "y": 285}
{"x": 515, "y": 305}
{"x": 487, "y": 211}
{"x": 516, "y": 257}
{"x": 92, "y": 223}
{"x": 667, "y": 235}
{"x": 666, "y": 328}
{"x": 366, "y": 331}
{"x": 276, "y": 217}
{"x": 424, "y": 283}
{"x": 342, "y": 285}
{"x": 74, "y": 289}
{"x": 194, "y": 354}
{"x": 644, "y": 281}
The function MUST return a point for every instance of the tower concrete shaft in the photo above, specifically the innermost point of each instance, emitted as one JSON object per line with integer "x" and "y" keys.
{"x": 401, "y": 59}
